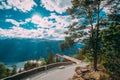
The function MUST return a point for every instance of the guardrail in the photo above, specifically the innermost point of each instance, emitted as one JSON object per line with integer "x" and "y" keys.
{"x": 27, "y": 73}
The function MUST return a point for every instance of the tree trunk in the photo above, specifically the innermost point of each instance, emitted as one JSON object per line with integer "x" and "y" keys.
{"x": 96, "y": 39}
{"x": 93, "y": 45}
{"x": 95, "y": 61}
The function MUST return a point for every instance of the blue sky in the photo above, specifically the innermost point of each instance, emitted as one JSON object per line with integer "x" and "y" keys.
{"x": 34, "y": 18}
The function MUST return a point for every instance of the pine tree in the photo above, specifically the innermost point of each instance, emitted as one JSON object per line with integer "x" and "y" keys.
{"x": 111, "y": 48}
{"x": 50, "y": 58}
{"x": 111, "y": 40}
{"x": 90, "y": 10}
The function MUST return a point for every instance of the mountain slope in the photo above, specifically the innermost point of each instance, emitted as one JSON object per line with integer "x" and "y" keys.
{"x": 17, "y": 50}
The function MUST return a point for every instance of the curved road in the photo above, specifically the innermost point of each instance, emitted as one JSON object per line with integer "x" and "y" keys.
{"x": 55, "y": 73}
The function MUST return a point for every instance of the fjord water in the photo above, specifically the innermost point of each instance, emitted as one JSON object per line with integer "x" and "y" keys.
{"x": 20, "y": 50}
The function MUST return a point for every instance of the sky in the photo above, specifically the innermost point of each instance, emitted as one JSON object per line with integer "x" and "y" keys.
{"x": 34, "y": 18}
{"x": 44, "y": 19}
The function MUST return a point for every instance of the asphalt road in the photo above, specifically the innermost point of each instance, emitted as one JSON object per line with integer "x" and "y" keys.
{"x": 55, "y": 74}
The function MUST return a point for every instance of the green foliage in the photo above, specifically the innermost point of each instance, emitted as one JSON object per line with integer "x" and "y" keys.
{"x": 35, "y": 63}
{"x": 82, "y": 52}
{"x": 30, "y": 65}
{"x": 111, "y": 47}
{"x": 88, "y": 58}
{"x": 4, "y": 72}
{"x": 20, "y": 70}
{"x": 14, "y": 70}
{"x": 8, "y": 72}
{"x": 43, "y": 62}
{"x": 63, "y": 46}
{"x": 50, "y": 58}
{"x": 67, "y": 44}
{"x": 89, "y": 10}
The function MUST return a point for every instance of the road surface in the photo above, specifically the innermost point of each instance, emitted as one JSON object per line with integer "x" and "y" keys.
{"x": 69, "y": 58}
{"x": 55, "y": 73}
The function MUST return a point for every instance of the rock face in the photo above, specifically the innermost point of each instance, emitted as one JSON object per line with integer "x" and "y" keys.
{"x": 18, "y": 50}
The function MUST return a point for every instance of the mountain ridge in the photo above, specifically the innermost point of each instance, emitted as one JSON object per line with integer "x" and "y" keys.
{"x": 18, "y": 50}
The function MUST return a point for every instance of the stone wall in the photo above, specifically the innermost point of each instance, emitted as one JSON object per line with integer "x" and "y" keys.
{"x": 33, "y": 71}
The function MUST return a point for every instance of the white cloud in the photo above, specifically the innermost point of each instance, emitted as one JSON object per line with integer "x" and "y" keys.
{"x": 41, "y": 22}
{"x": 60, "y": 24}
{"x": 59, "y": 6}
{"x": 22, "y": 5}
{"x": 47, "y": 28}
{"x": 16, "y": 23}
{"x": 47, "y": 22}
{"x": 5, "y": 6}
{"x": 51, "y": 27}
{"x": 13, "y": 21}
{"x": 18, "y": 32}
{"x": 63, "y": 21}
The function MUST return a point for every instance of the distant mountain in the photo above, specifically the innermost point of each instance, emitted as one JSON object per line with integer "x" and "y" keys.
{"x": 18, "y": 50}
